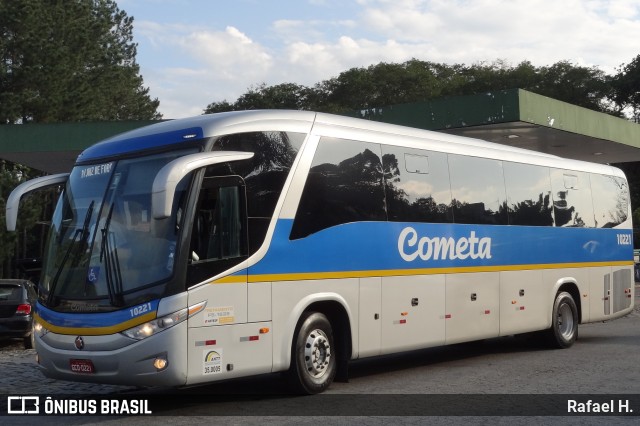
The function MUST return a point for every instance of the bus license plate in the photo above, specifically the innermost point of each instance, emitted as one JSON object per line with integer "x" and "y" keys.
{"x": 84, "y": 366}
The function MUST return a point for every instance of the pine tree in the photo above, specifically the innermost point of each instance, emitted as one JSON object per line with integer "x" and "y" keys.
{"x": 69, "y": 60}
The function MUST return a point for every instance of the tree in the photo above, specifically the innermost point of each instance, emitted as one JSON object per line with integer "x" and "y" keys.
{"x": 626, "y": 88}
{"x": 386, "y": 84}
{"x": 281, "y": 96}
{"x": 70, "y": 60}
{"x": 588, "y": 87}
{"x": 499, "y": 75}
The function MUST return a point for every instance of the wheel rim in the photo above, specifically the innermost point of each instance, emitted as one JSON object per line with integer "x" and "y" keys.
{"x": 317, "y": 353}
{"x": 565, "y": 321}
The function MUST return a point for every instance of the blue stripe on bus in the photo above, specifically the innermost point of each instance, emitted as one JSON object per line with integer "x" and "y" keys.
{"x": 366, "y": 246}
{"x": 113, "y": 147}
{"x": 374, "y": 246}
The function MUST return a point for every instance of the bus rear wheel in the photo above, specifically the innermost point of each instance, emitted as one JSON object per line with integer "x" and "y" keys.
{"x": 564, "y": 322}
{"x": 313, "y": 361}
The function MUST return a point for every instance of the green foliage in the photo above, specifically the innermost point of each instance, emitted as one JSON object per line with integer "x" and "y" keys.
{"x": 626, "y": 86}
{"x": 415, "y": 80}
{"x": 281, "y": 96}
{"x": 69, "y": 60}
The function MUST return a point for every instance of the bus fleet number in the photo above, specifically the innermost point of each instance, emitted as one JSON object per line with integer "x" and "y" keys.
{"x": 624, "y": 239}
{"x": 139, "y": 310}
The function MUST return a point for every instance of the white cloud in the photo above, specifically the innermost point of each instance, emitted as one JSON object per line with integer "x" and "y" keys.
{"x": 229, "y": 54}
{"x": 540, "y": 31}
{"x": 213, "y": 66}
{"x": 320, "y": 61}
{"x": 203, "y": 64}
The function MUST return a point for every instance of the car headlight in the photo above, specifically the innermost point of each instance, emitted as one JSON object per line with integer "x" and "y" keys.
{"x": 150, "y": 328}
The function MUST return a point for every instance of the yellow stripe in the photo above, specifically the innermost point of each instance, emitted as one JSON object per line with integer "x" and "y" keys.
{"x": 96, "y": 331}
{"x": 230, "y": 279}
{"x": 404, "y": 272}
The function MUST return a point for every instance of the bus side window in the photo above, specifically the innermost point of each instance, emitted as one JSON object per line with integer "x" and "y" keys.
{"x": 528, "y": 194}
{"x": 572, "y": 203}
{"x": 345, "y": 184}
{"x": 417, "y": 185}
{"x": 478, "y": 197}
{"x": 610, "y": 200}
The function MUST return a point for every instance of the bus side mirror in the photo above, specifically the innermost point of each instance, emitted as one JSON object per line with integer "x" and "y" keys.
{"x": 13, "y": 202}
{"x": 165, "y": 182}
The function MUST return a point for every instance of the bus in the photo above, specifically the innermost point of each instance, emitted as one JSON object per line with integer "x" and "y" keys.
{"x": 241, "y": 243}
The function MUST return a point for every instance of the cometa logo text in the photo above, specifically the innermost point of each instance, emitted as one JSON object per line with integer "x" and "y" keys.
{"x": 411, "y": 246}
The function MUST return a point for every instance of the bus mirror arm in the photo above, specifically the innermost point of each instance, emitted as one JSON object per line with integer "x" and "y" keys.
{"x": 167, "y": 179}
{"x": 13, "y": 202}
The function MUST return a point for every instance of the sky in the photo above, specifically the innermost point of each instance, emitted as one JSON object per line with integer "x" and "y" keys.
{"x": 195, "y": 52}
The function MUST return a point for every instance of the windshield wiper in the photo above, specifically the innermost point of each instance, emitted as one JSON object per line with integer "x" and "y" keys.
{"x": 109, "y": 252}
{"x": 83, "y": 233}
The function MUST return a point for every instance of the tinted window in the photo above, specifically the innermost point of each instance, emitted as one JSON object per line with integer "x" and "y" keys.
{"x": 528, "y": 194}
{"x": 572, "y": 205}
{"x": 344, "y": 185}
{"x": 264, "y": 174}
{"x": 416, "y": 185}
{"x": 610, "y": 200}
{"x": 477, "y": 189}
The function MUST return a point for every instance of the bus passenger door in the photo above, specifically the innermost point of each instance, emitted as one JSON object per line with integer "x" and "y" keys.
{"x": 219, "y": 245}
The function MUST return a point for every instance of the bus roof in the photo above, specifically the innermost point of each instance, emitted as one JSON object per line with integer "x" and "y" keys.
{"x": 181, "y": 131}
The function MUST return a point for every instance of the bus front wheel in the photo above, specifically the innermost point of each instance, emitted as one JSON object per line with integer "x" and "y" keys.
{"x": 313, "y": 361}
{"x": 564, "y": 322}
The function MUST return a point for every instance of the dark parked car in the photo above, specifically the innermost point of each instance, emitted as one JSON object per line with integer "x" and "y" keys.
{"x": 17, "y": 301}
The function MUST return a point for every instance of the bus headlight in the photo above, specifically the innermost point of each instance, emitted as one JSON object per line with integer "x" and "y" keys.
{"x": 150, "y": 328}
{"x": 39, "y": 329}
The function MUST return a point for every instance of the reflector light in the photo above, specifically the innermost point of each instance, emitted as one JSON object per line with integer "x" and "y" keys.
{"x": 196, "y": 308}
{"x": 264, "y": 330}
{"x": 403, "y": 321}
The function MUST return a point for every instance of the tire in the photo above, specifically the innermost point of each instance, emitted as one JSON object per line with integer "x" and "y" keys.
{"x": 30, "y": 340}
{"x": 564, "y": 322}
{"x": 313, "y": 357}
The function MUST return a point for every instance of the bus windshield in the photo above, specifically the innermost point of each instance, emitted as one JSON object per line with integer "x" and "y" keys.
{"x": 105, "y": 251}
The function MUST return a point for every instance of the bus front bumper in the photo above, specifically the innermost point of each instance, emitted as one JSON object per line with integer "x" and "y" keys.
{"x": 108, "y": 360}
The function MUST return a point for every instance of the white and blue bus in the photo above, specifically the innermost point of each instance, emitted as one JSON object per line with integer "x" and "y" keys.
{"x": 242, "y": 243}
